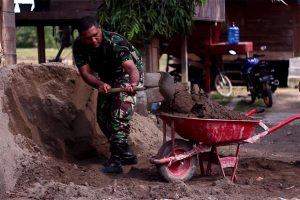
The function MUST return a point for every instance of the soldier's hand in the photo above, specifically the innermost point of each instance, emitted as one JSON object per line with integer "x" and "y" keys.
{"x": 103, "y": 89}
{"x": 131, "y": 89}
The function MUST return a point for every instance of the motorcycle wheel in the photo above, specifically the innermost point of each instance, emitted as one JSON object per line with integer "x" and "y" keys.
{"x": 253, "y": 95}
{"x": 273, "y": 88}
{"x": 223, "y": 85}
{"x": 267, "y": 97}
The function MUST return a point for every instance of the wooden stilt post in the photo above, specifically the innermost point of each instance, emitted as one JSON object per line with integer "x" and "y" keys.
{"x": 8, "y": 33}
{"x": 41, "y": 44}
{"x": 184, "y": 60}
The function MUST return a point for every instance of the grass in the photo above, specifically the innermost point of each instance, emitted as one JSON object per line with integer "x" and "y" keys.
{"x": 31, "y": 54}
{"x": 163, "y": 62}
{"x": 245, "y": 106}
{"x": 219, "y": 98}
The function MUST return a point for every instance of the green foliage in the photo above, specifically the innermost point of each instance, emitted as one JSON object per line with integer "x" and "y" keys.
{"x": 26, "y": 37}
{"x": 50, "y": 39}
{"x": 142, "y": 20}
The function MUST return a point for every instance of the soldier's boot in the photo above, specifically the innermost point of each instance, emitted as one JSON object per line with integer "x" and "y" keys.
{"x": 126, "y": 154}
{"x": 113, "y": 164}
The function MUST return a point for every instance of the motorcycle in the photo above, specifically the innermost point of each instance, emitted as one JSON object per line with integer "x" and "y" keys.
{"x": 195, "y": 75}
{"x": 222, "y": 83}
{"x": 259, "y": 79}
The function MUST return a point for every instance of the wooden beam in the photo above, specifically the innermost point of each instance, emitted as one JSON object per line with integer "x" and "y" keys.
{"x": 207, "y": 72}
{"x": 41, "y": 44}
{"x": 60, "y": 12}
{"x": 48, "y": 18}
{"x": 184, "y": 60}
{"x": 223, "y": 48}
{"x": 296, "y": 33}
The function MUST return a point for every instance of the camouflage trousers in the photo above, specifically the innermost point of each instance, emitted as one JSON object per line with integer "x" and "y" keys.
{"x": 114, "y": 113}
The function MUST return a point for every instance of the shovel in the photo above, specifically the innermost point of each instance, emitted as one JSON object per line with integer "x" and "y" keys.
{"x": 158, "y": 86}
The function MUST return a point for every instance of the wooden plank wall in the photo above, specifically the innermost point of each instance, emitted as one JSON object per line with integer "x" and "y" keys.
{"x": 296, "y": 41}
{"x": 213, "y": 10}
{"x": 266, "y": 24}
{"x": 197, "y": 41}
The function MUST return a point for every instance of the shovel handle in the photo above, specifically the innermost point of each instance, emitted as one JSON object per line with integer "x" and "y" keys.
{"x": 115, "y": 90}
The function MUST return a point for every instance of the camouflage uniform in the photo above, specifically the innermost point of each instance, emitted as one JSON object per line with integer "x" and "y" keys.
{"x": 114, "y": 111}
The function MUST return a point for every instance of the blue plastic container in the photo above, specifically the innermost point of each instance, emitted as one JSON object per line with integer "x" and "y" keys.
{"x": 233, "y": 34}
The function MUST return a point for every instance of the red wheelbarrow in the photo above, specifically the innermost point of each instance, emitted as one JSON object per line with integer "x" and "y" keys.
{"x": 177, "y": 158}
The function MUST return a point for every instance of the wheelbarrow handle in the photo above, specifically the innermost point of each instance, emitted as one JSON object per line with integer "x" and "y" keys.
{"x": 255, "y": 110}
{"x": 115, "y": 90}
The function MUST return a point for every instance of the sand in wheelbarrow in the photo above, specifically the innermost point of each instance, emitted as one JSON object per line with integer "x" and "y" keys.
{"x": 198, "y": 105}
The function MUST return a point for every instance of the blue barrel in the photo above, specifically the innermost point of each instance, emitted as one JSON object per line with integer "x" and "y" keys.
{"x": 233, "y": 34}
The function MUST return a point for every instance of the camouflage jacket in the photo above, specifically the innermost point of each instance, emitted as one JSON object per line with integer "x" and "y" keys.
{"x": 106, "y": 60}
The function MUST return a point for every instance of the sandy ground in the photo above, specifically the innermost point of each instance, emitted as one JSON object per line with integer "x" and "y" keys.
{"x": 51, "y": 147}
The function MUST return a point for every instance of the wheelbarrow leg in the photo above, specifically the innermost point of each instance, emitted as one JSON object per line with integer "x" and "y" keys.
{"x": 205, "y": 156}
{"x": 201, "y": 158}
{"x": 213, "y": 157}
{"x": 233, "y": 176}
{"x": 210, "y": 158}
{"x": 201, "y": 164}
{"x": 229, "y": 162}
{"x": 164, "y": 131}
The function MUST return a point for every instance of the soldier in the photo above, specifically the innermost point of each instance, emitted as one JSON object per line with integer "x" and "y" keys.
{"x": 105, "y": 60}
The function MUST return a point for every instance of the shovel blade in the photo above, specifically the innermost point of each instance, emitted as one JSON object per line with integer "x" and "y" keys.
{"x": 154, "y": 95}
{"x": 152, "y": 79}
{"x": 160, "y": 84}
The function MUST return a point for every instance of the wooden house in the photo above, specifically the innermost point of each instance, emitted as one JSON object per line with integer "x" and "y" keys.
{"x": 205, "y": 42}
{"x": 56, "y": 13}
{"x": 262, "y": 23}
{"x": 45, "y": 13}
{"x": 273, "y": 25}
{"x": 268, "y": 23}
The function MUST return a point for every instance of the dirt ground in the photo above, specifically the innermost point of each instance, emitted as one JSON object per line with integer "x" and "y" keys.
{"x": 51, "y": 147}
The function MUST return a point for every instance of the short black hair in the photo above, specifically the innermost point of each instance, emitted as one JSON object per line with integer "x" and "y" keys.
{"x": 86, "y": 22}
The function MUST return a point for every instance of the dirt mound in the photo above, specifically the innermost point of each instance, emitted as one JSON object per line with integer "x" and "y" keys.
{"x": 49, "y": 111}
{"x": 49, "y": 104}
{"x": 145, "y": 137}
{"x": 52, "y": 148}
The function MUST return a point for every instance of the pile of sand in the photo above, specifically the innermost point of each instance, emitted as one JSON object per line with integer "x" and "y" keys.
{"x": 10, "y": 153}
{"x": 49, "y": 139}
{"x": 47, "y": 110}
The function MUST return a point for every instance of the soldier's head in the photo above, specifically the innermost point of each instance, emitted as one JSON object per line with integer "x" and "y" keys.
{"x": 90, "y": 32}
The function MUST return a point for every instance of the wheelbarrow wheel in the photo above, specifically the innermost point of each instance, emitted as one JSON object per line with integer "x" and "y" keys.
{"x": 182, "y": 170}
